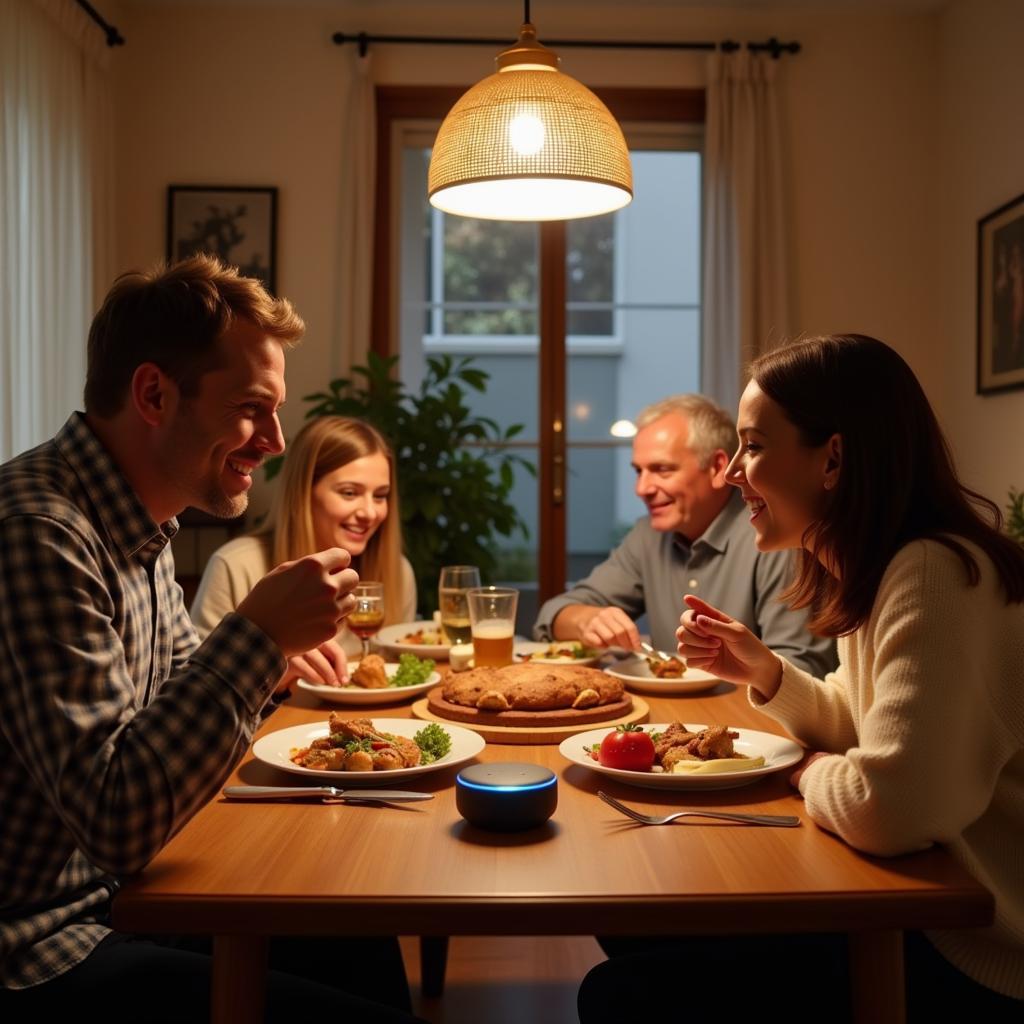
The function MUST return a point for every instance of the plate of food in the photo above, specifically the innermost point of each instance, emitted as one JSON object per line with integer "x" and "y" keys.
{"x": 644, "y": 674}
{"x": 560, "y": 652}
{"x": 671, "y": 755}
{"x": 375, "y": 681}
{"x": 424, "y": 639}
{"x": 361, "y": 751}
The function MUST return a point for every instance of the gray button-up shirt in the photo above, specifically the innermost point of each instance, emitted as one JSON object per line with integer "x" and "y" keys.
{"x": 650, "y": 572}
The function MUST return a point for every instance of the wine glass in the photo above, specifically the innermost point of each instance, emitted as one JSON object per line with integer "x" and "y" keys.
{"x": 455, "y": 582}
{"x": 367, "y": 617}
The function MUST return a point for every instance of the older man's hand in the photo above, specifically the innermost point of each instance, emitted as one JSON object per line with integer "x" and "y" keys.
{"x": 610, "y": 627}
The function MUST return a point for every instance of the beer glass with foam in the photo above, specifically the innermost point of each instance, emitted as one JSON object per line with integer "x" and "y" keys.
{"x": 492, "y": 614}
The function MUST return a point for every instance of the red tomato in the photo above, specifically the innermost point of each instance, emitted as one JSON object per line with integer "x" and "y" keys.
{"x": 628, "y": 748}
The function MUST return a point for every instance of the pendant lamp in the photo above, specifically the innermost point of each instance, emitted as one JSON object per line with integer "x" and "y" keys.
{"x": 529, "y": 143}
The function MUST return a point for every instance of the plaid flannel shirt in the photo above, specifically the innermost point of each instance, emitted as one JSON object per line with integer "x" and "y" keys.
{"x": 115, "y": 724}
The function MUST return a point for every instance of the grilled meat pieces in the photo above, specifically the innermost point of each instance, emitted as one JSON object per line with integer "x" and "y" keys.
{"x": 677, "y": 743}
{"x": 396, "y": 751}
{"x": 371, "y": 674}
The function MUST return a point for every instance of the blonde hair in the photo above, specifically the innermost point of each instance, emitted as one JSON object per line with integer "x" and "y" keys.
{"x": 711, "y": 428}
{"x": 322, "y": 446}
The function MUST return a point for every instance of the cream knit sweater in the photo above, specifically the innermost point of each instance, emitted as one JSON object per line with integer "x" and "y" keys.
{"x": 236, "y": 567}
{"x": 926, "y": 717}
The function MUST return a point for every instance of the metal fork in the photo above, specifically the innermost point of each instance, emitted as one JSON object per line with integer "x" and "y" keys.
{"x": 654, "y": 652}
{"x": 782, "y": 820}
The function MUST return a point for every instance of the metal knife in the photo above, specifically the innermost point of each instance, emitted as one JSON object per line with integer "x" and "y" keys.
{"x": 324, "y": 792}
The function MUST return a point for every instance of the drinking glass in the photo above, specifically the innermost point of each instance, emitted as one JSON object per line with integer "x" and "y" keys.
{"x": 456, "y": 581}
{"x": 367, "y": 617}
{"x": 492, "y": 615}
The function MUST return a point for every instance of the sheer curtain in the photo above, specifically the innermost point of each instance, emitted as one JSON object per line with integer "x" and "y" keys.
{"x": 746, "y": 281}
{"x": 355, "y": 235}
{"x": 55, "y": 209}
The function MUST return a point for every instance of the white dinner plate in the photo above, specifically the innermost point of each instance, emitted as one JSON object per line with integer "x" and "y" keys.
{"x": 391, "y": 639}
{"x": 364, "y": 695}
{"x": 637, "y": 675}
{"x": 526, "y": 647}
{"x": 777, "y": 751}
{"x": 275, "y": 749}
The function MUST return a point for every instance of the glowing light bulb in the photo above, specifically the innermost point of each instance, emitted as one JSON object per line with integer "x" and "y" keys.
{"x": 622, "y": 428}
{"x": 526, "y": 133}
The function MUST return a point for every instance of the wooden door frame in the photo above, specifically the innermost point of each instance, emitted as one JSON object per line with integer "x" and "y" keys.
{"x": 402, "y": 102}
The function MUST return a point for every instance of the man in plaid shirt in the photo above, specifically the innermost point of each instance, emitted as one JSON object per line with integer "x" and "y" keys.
{"x": 116, "y": 725}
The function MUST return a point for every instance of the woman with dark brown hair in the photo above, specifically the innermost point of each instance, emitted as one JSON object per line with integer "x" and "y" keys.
{"x": 918, "y": 736}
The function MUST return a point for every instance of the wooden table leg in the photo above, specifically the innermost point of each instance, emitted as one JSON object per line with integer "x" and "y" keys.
{"x": 876, "y": 977}
{"x": 433, "y": 963}
{"x": 239, "y": 987}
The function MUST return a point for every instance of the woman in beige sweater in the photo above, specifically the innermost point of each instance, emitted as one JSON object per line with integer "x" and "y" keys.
{"x": 338, "y": 488}
{"x": 918, "y": 737}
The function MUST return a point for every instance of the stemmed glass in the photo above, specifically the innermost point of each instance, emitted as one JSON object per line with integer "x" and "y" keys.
{"x": 455, "y": 582}
{"x": 367, "y": 617}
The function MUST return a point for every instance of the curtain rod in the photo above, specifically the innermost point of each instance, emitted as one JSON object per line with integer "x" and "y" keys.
{"x": 114, "y": 38}
{"x": 772, "y": 45}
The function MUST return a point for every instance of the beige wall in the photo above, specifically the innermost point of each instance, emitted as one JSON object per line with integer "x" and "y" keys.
{"x": 890, "y": 162}
{"x": 981, "y": 142}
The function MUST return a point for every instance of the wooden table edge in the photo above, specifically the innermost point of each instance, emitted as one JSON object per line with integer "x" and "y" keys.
{"x": 971, "y": 906}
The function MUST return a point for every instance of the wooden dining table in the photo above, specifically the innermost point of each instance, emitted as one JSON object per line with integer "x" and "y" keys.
{"x": 242, "y": 872}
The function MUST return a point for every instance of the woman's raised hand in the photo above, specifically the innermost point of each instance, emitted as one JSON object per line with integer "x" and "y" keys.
{"x": 710, "y": 640}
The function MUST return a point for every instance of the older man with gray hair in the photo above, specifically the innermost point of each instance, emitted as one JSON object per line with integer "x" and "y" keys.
{"x": 694, "y": 539}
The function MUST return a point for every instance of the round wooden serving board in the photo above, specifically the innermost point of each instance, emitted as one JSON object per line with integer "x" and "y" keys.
{"x": 535, "y": 726}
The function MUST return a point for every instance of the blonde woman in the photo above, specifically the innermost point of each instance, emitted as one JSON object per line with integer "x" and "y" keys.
{"x": 337, "y": 489}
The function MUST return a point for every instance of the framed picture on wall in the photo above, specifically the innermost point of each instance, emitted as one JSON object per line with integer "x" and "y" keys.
{"x": 238, "y": 223}
{"x": 1001, "y": 298}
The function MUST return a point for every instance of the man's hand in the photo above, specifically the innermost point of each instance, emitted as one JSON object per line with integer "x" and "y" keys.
{"x": 596, "y": 627}
{"x": 299, "y": 604}
{"x": 325, "y": 665}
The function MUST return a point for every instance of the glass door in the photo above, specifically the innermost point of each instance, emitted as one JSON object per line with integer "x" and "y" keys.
{"x": 469, "y": 289}
{"x": 578, "y": 325}
{"x": 633, "y": 283}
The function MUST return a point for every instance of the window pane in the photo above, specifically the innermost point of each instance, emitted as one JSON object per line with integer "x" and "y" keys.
{"x": 590, "y": 265}
{"x": 652, "y": 352}
{"x": 492, "y": 263}
{"x": 469, "y": 288}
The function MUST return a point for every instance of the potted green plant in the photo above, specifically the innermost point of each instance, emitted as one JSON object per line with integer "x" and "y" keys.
{"x": 1015, "y": 515}
{"x": 455, "y": 479}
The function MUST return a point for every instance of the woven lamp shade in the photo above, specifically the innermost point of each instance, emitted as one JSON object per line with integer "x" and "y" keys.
{"x": 529, "y": 143}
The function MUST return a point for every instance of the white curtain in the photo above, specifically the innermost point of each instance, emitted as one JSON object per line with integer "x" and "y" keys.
{"x": 357, "y": 185}
{"x": 55, "y": 209}
{"x": 746, "y": 284}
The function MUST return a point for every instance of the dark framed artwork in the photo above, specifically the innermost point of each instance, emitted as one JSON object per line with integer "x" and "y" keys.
{"x": 238, "y": 223}
{"x": 1001, "y": 298}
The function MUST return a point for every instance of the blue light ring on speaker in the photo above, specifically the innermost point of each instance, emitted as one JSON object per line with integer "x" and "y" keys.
{"x": 485, "y": 796}
{"x": 507, "y": 789}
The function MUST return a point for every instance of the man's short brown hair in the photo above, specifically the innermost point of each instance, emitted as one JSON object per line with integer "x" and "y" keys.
{"x": 174, "y": 316}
